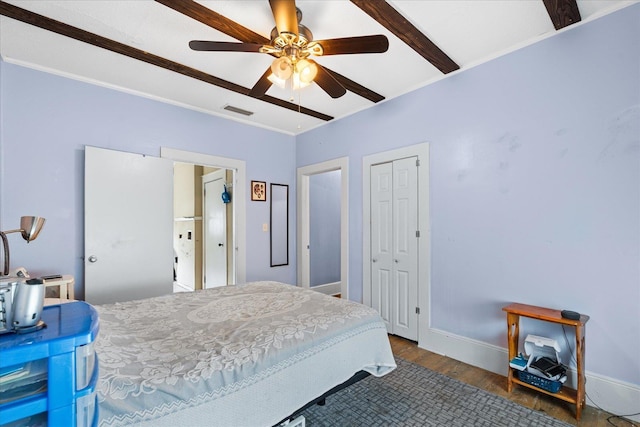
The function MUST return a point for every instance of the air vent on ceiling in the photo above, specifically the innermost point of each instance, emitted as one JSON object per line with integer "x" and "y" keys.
{"x": 238, "y": 110}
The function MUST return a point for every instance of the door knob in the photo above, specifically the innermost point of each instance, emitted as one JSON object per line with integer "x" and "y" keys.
{"x": 93, "y": 258}
{"x": 220, "y": 244}
{"x": 374, "y": 260}
{"x": 395, "y": 260}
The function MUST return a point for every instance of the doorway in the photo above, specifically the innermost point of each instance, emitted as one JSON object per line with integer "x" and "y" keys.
{"x": 329, "y": 179}
{"x": 203, "y": 227}
{"x": 236, "y": 210}
{"x": 324, "y": 228}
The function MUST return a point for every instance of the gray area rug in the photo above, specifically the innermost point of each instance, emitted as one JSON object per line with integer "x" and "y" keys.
{"x": 416, "y": 396}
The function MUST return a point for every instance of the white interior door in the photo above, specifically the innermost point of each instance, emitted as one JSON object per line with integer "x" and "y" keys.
{"x": 394, "y": 245}
{"x": 215, "y": 230}
{"x": 381, "y": 240}
{"x": 128, "y": 226}
{"x": 405, "y": 248}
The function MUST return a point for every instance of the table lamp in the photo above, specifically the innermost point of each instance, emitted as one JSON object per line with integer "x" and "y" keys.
{"x": 30, "y": 226}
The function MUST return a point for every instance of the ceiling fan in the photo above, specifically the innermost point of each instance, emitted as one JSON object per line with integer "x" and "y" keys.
{"x": 293, "y": 46}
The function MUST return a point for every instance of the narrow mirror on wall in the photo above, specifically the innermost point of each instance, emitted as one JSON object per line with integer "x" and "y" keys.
{"x": 279, "y": 225}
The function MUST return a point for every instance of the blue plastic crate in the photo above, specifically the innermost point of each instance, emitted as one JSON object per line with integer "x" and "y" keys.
{"x": 543, "y": 383}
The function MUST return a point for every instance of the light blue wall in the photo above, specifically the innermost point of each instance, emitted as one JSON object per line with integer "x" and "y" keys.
{"x": 46, "y": 122}
{"x": 534, "y": 186}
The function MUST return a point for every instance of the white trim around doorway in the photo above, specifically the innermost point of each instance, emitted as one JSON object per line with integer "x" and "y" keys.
{"x": 239, "y": 197}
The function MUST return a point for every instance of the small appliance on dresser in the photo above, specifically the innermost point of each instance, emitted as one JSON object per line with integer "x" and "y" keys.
{"x": 49, "y": 376}
{"x": 21, "y": 302}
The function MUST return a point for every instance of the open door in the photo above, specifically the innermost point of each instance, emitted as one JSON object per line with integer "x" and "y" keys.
{"x": 128, "y": 226}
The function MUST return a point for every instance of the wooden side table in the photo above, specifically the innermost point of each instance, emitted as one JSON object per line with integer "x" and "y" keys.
{"x": 514, "y": 311}
{"x": 65, "y": 286}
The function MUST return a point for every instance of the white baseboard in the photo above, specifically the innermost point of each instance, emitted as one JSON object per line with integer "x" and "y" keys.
{"x": 329, "y": 288}
{"x": 614, "y": 396}
{"x": 182, "y": 287}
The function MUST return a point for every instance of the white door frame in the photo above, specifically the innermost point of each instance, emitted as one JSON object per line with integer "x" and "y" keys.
{"x": 239, "y": 197}
{"x": 424, "y": 225}
{"x": 341, "y": 164}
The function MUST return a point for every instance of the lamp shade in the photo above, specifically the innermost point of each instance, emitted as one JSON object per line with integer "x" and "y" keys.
{"x": 282, "y": 68}
{"x": 307, "y": 70}
{"x": 30, "y": 227}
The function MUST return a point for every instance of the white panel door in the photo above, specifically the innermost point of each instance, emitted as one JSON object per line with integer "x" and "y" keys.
{"x": 381, "y": 241}
{"x": 128, "y": 226}
{"x": 405, "y": 248}
{"x": 215, "y": 230}
{"x": 394, "y": 245}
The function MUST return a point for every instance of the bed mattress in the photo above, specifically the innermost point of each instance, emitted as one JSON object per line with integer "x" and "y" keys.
{"x": 245, "y": 355}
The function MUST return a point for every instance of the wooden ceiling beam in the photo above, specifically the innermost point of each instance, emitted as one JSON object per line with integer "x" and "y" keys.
{"x": 562, "y": 12}
{"x": 78, "y": 34}
{"x": 214, "y": 20}
{"x": 231, "y": 28}
{"x": 393, "y": 21}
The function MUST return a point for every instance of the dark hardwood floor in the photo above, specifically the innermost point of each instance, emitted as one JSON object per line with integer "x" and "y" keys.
{"x": 497, "y": 384}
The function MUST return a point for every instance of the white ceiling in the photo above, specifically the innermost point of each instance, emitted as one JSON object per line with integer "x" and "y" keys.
{"x": 468, "y": 31}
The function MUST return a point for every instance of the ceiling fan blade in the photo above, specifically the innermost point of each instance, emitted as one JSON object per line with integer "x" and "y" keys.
{"x": 348, "y": 45}
{"x": 328, "y": 83}
{"x": 205, "y": 45}
{"x": 262, "y": 85}
{"x": 285, "y": 15}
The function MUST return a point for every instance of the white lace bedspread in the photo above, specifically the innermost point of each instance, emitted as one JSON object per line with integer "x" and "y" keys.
{"x": 166, "y": 355}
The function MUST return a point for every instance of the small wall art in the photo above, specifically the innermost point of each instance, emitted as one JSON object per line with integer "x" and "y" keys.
{"x": 259, "y": 191}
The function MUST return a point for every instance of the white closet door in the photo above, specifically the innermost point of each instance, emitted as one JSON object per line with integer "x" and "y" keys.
{"x": 405, "y": 248}
{"x": 128, "y": 226}
{"x": 394, "y": 245}
{"x": 381, "y": 241}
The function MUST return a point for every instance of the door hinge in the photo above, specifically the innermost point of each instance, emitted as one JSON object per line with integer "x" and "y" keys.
{"x": 417, "y": 233}
{"x": 417, "y": 310}
{"x": 417, "y": 162}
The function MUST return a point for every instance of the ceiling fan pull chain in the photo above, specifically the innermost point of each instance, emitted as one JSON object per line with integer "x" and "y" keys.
{"x": 292, "y": 98}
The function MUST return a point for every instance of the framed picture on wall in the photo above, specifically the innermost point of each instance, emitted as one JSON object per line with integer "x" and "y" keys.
{"x": 259, "y": 191}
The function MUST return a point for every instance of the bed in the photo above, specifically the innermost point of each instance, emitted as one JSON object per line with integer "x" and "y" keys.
{"x": 245, "y": 355}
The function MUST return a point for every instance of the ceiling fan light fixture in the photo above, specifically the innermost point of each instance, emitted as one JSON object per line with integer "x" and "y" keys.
{"x": 277, "y": 81}
{"x": 306, "y": 70}
{"x": 282, "y": 68}
{"x": 297, "y": 83}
